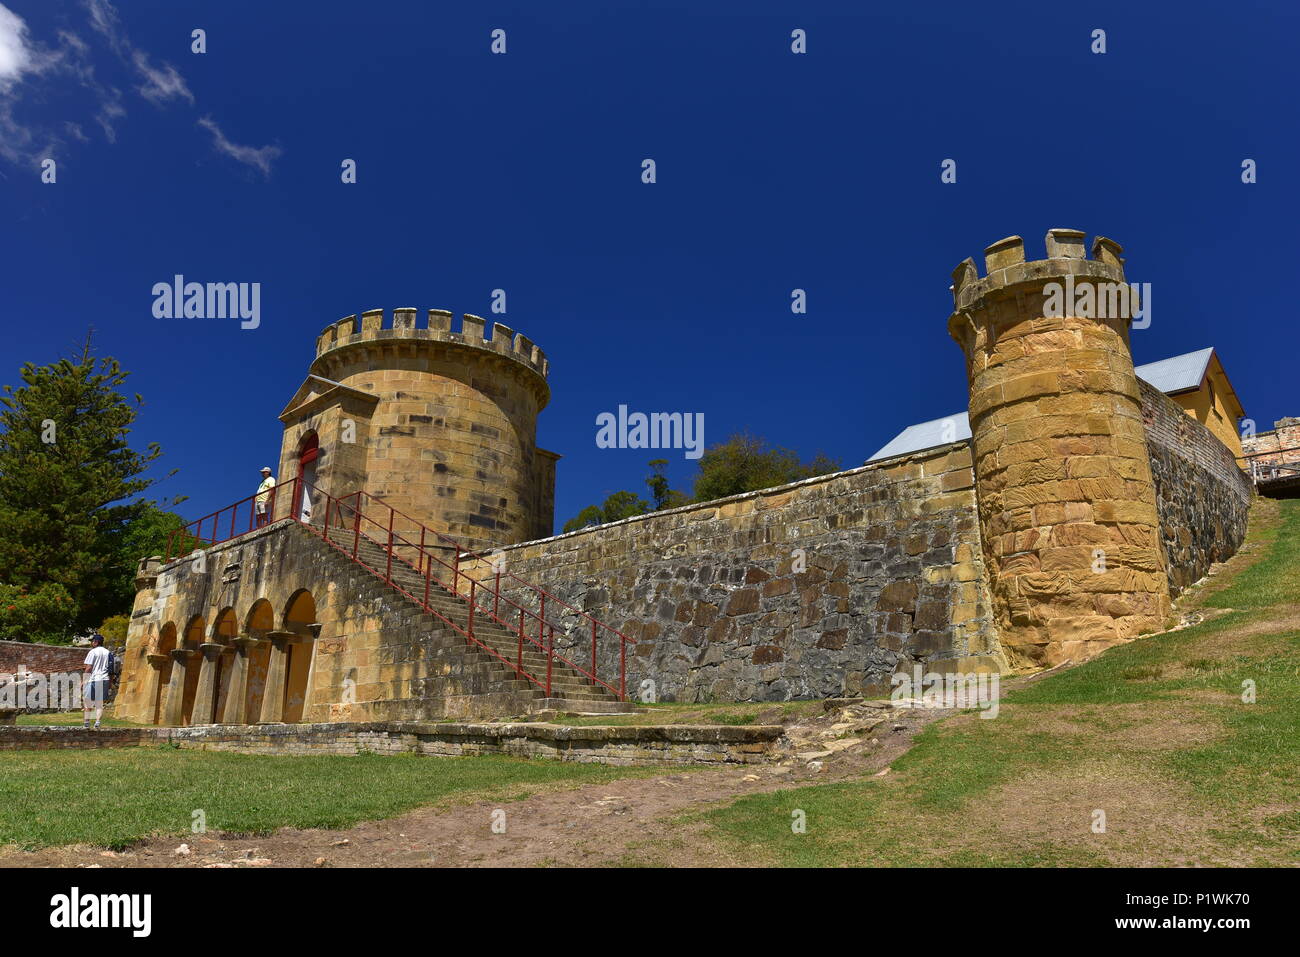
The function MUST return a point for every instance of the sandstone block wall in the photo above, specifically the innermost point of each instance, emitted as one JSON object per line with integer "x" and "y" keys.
{"x": 1202, "y": 496}
{"x": 1061, "y": 462}
{"x": 378, "y": 657}
{"x": 816, "y": 589}
{"x": 452, "y": 439}
{"x": 1279, "y": 446}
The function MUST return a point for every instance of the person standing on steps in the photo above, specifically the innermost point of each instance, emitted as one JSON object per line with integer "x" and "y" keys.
{"x": 264, "y": 495}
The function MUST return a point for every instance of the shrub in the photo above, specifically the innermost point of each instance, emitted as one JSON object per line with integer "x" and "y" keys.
{"x": 44, "y": 614}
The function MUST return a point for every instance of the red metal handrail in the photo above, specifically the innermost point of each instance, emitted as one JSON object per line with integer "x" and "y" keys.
{"x": 348, "y": 514}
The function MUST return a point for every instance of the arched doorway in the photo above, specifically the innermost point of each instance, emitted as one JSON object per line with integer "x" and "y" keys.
{"x": 308, "y": 453}
{"x": 300, "y": 613}
{"x": 166, "y": 645}
{"x": 260, "y": 621}
{"x": 193, "y": 638}
{"x": 224, "y": 632}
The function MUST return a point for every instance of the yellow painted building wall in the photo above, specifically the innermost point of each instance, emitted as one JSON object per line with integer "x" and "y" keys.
{"x": 1214, "y": 406}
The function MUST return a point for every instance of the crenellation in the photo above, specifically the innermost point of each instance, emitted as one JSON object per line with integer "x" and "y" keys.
{"x": 503, "y": 338}
{"x": 1003, "y": 253}
{"x": 439, "y": 322}
{"x": 472, "y": 328}
{"x": 1065, "y": 244}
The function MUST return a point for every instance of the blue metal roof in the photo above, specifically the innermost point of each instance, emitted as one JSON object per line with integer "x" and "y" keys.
{"x": 1178, "y": 373}
{"x": 1175, "y": 374}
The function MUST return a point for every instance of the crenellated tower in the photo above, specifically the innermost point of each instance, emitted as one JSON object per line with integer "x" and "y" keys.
{"x": 440, "y": 423}
{"x": 1066, "y": 499}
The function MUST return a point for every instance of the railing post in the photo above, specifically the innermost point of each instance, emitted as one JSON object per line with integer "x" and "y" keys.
{"x": 472, "y": 583}
{"x": 234, "y": 512}
{"x": 550, "y": 657}
{"x": 541, "y": 636}
{"x": 496, "y": 596}
{"x": 389, "y": 573}
{"x": 356, "y": 539}
{"x": 325, "y": 532}
{"x": 428, "y": 571}
{"x": 455, "y": 572}
{"x": 593, "y": 647}
{"x": 622, "y": 669}
{"x": 519, "y": 663}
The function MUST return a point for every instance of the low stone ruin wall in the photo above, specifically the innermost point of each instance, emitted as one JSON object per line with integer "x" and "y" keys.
{"x": 626, "y": 745}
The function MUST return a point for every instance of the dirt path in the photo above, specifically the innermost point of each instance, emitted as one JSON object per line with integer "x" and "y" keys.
{"x": 588, "y": 826}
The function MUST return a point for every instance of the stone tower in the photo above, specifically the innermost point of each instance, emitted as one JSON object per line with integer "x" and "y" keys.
{"x": 1067, "y": 505}
{"x": 439, "y": 424}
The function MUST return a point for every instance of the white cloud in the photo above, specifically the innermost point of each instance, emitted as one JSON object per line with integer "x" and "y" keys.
{"x": 259, "y": 157}
{"x": 23, "y": 59}
{"x": 15, "y": 56}
{"x": 160, "y": 84}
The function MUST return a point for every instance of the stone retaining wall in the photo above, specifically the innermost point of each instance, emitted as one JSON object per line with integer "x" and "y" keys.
{"x": 630, "y": 745}
{"x": 1202, "y": 496}
{"x": 816, "y": 589}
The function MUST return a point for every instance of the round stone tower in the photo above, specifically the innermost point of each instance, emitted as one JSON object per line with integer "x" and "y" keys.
{"x": 439, "y": 424}
{"x": 1063, "y": 479}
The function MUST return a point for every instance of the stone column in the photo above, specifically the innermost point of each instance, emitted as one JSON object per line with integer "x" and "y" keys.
{"x": 237, "y": 693}
{"x": 205, "y": 695}
{"x": 315, "y": 629}
{"x": 277, "y": 671}
{"x": 137, "y": 688}
{"x": 174, "y": 710}
{"x": 1067, "y": 505}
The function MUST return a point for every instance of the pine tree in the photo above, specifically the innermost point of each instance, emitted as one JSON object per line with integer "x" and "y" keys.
{"x": 69, "y": 483}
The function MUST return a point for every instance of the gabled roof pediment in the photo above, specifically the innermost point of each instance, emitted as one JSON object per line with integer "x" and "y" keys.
{"x": 317, "y": 391}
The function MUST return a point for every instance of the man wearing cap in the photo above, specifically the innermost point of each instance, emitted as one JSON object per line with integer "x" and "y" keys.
{"x": 96, "y": 669}
{"x": 264, "y": 495}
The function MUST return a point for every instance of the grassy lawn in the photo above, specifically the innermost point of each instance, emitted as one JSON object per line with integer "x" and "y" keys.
{"x": 113, "y": 797}
{"x": 69, "y": 718}
{"x": 1153, "y": 734}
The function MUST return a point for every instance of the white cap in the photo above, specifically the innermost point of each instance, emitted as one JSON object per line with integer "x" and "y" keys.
{"x": 266, "y": 468}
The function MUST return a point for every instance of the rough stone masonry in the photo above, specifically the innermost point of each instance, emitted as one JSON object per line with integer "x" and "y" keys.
{"x": 1082, "y": 505}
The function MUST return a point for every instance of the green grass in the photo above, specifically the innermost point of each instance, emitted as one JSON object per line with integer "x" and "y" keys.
{"x": 1096, "y": 722}
{"x": 1274, "y": 580}
{"x": 113, "y": 798}
{"x": 61, "y": 719}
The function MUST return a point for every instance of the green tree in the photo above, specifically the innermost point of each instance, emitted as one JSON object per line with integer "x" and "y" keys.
{"x": 68, "y": 485}
{"x": 664, "y": 496}
{"x": 616, "y": 507}
{"x": 745, "y": 463}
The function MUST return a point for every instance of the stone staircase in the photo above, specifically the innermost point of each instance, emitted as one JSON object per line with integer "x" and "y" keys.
{"x": 570, "y": 689}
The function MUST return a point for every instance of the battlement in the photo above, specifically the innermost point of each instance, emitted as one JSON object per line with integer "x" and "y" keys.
{"x": 405, "y": 324}
{"x": 1006, "y": 268}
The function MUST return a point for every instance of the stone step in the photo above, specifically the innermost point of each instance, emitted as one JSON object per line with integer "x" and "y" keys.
{"x": 455, "y": 608}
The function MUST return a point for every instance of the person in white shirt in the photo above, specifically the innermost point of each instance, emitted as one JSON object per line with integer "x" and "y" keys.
{"x": 96, "y": 690}
{"x": 264, "y": 495}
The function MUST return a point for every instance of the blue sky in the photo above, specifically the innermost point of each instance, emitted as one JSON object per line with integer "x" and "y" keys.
{"x": 522, "y": 172}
